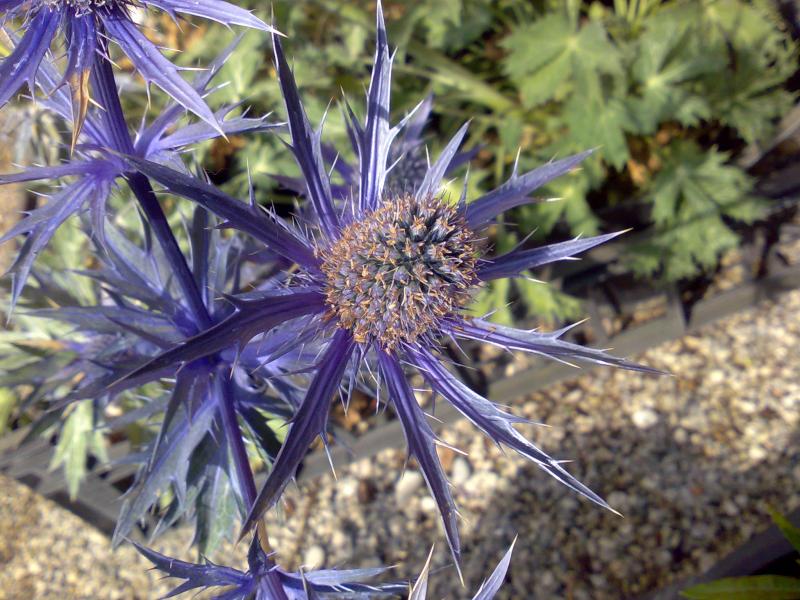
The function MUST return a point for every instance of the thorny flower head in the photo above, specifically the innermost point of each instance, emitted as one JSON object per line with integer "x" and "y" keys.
{"x": 395, "y": 274}
{"x": 384, "y": 275}
{"x": 87, "y": 26}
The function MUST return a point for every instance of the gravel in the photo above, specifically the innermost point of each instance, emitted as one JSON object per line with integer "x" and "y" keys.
{"x": 691, "y": 461}
{"x": 47, "y": 552}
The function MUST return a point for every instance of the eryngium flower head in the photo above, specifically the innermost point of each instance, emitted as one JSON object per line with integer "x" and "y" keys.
{"x": 393, "y": 275}
{"x": 410, "y": 257}
{"x": 87, "y": 26}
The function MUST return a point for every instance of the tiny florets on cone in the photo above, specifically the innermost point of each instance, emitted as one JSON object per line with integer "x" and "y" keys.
{"x": 82, "y": 7}
{"x": 394, "y": 273}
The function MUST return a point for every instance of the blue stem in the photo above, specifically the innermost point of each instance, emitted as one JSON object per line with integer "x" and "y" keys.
{"x": 239, "y": 453}
{"x": 244, "y": 473}
{"x": 105, "y": 86}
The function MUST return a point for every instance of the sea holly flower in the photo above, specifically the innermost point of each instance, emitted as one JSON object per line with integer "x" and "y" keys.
{"x": 382, "y": 280}
{"x": 95, "y": 175}
{"x": 87, "y": 25}
{"x": 264, "y": 580}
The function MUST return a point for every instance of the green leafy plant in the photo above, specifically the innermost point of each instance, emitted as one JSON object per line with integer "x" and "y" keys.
{"x": 672, "y": 91}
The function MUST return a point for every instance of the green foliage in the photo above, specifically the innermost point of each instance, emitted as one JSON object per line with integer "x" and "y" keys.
{"x": 691, "y": 194}
{"x": 79, "y": 439}
{"x": 553, "y": 57}
{"x": 655, "y": 85}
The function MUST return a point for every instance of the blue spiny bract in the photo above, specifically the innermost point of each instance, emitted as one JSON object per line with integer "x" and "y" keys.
{"x": 396, "y": 272}
{"x": 88, "y": 25}
{"x": 80, "y": 8}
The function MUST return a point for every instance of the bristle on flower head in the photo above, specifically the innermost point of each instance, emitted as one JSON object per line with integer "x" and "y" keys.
{"x": 83, "y": 7}
{"x": 393, "y": 274}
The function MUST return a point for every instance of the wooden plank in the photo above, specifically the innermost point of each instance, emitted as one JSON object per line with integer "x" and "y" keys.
{"x": 98, "y": 503}
{"x": 744, "y": 296}
{"x": 11, "y": 440}
{"x": 35, "y": 460}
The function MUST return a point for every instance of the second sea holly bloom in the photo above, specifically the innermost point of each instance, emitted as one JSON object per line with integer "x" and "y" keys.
{"x": 384, "y": 275}
{"x": 87, "y": 25}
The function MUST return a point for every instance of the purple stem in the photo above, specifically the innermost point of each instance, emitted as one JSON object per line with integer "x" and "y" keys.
{"x": 244, "y": 474}
{"x": 105, "y": 86}
{"x": 239, "y": 454}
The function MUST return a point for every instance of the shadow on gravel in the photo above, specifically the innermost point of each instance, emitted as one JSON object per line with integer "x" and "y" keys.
{"x": 682, "y": 507}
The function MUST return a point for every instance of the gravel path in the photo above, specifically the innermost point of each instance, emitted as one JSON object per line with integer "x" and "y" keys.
{"x": 47, "y": 552}
{"x": 692, "y": 461}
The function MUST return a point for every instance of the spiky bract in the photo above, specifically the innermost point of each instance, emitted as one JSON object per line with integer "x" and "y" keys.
{"x": 80, "y": 8}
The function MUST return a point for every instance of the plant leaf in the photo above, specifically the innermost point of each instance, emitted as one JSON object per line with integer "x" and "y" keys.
{"x": 756, "y": 587}
{"x": 789, "y": 531}
{"x": 77, "y": 441}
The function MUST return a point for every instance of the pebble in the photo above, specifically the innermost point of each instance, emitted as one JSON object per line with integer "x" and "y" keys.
{"x": 348, "y": 488}
{"x": 757, "y": 453}
{"x": 644, "y": 418}
{"x": 407, "y": 486}
{"x": 428, "y": 504}
{"x": 47, "y": 552}
{"x": 314, "y": 557}
{"x": 461, "y": 471}
{"x": 617, "y": 500}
